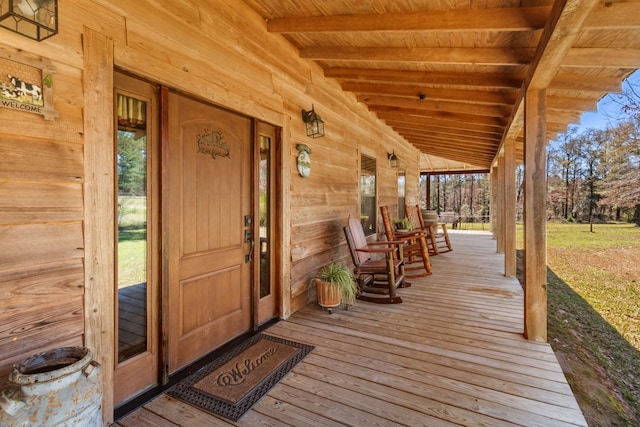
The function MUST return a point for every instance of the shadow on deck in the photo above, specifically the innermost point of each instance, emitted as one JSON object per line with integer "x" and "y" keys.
{"x": 451, "y": 354}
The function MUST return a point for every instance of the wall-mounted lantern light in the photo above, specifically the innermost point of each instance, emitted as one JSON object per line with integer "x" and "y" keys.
{"x": 36, "y": 19}
{"x": 393, "y": 160}
{"x": 313, "y": 122}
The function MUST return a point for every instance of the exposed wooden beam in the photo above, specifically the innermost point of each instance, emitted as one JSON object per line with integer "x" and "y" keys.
{"x": 496, "y": 19}
{"x": 614, "y": 15}
{"x": 566, "y": 81}
{"x": 451, "y": 144}
{"x": 505, "y": 97}
{"x": 472, "y": 144}
{"x": 571, "y": 104}
{"x": 444, "y": 131}
{"x": 462, "y": 80}
{"x": 452, "y": 123}
{"x": 436, "y": 55}
{"x": 428, "y": 114}
{"x": 560, "y": 34}
{"x": 602, "y": 57}
{"x": 427, "y": 104}
{"x": 455, "y": 155}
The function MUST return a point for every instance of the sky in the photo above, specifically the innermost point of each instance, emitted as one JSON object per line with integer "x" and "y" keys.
{"x": 607, "y": 109}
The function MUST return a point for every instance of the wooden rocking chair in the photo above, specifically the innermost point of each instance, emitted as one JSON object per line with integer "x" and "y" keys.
{"x": 416, "y": 251}
{"x": 377, "y": 278}
{"x": 437, "y": 235}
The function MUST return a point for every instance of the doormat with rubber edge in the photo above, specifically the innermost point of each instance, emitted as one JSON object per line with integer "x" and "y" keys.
{"x": 230, "y": 385}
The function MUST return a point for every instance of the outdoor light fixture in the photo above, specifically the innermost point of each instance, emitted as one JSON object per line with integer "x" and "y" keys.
{"x": 393, "y": 159}
{"x": 36, "y": 19}
{"x": 313, "y": 122}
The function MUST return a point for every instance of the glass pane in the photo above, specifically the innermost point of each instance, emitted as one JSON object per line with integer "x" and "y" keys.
{"x": 368, "y": 194}
{"x": 131, "y": 271}
{"x": 265, "y": 172}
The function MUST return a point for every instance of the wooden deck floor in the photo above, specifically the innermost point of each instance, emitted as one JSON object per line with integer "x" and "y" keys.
{"x": 451, "y": 354}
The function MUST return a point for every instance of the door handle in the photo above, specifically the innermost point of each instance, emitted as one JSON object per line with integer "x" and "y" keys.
{"x": 249, "y": 257}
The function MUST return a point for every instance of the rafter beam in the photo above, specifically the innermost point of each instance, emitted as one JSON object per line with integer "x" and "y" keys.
{"x": 427, "y": 104}
{"x": 446, "y": 122}
{"x": 435, "y": 55}
{"x": 505, "y": 97}
{"x": 444, "y": 131}
{"x": 428, "y": 114}
{"x": 465, "y": 80}
{"x": 614, "y": 15}
{"x": 560, "y": 33}
{"x": 602, "y": 57}
{"x": 497, "y": 19}
{"x": 566, "y": 81}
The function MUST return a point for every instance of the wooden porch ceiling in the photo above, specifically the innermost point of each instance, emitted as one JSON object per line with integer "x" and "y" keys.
{"x": 450, "y": 76}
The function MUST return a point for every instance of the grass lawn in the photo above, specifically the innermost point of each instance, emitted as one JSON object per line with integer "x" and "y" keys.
{"x": 132, "y": 241}
{"x": 594, "y": 316}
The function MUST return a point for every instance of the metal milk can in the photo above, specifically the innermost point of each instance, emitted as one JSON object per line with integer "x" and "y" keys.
{"x": 60, "y": 387}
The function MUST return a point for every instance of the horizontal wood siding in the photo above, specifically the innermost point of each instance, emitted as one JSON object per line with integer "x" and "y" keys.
{"x": 41, "y": 213}
{"x": 217, "y": 51}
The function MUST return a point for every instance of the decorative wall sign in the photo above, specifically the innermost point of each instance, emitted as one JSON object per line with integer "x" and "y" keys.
{"x": 304, "y": 160}
{"x": 26, "y": 85}
{"x": 211, "y": 142}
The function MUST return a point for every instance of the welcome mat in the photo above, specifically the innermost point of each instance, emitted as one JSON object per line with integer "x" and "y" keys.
{"x": 231, "y": 384}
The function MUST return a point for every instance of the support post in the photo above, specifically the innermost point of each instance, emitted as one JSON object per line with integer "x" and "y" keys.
{"x": 510, "y": 208}
{"x": 99, "y": 222}
{"x": 535, "y": 238}
{"x": 499, "y": 233}
{"x": 492, "y": 200}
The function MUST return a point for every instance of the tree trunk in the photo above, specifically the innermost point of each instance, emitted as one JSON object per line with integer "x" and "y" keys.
{"x": 637, "y": 215}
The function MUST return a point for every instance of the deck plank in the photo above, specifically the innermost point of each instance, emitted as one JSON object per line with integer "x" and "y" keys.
{"x": 452, "y": 353}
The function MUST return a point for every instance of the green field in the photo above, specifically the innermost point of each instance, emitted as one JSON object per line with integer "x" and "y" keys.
{"x": 594, "y": 316}
{"x": 132, "y": 241}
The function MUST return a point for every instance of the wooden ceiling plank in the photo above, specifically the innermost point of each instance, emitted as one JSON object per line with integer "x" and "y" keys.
{"x": 456, "y": 155}
{"x": 450, "y": 123}
{"x": 439, "y": 55}
{"x": 467, "y": 80}
{"x": 571, "y": 104}
{"x": 438, "y": 130}
{"x": 428, "y": 114}
{"x": 581, "y": 83}
{"x": 602, "y": 57}
{"x": 467, "y": 146}
{"x": 450, "y": 139}
{"x": 426, "y": 104}
{"x": 495, "y": 19}
{"x": 451, "y": 133}
{"x": 505, "y": 97}
{"x": 614, "y": 16}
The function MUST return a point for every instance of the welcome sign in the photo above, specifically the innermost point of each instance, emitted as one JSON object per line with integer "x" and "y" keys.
{"x": 25, "y": 85}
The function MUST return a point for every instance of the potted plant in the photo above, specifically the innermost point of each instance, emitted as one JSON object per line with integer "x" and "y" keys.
{"x": 403, "y": 224}
{"x": 335, "y": 285}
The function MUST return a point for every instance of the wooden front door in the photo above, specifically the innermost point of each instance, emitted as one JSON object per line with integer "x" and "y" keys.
{"x": 207, "y": 228}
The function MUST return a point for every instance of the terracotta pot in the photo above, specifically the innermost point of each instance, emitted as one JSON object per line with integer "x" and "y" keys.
{"x": 328, "y": 295}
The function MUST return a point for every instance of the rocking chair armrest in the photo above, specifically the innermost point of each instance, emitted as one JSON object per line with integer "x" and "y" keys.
{"x": 388, "y": 243}
{"x": 381, "y": 250}
{"x": 410, "y": 234}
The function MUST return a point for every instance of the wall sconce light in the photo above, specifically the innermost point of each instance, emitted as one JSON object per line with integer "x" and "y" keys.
{"x": 393, "y": 160}
{"x": 313, "y": 122}
{"x": 36, "y": 19}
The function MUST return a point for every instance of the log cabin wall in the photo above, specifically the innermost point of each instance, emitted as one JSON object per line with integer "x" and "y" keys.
{"x": 217, "y": 51}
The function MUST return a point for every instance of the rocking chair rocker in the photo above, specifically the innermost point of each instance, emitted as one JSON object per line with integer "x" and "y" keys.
{"x": 377, "y": 278}
{"x": 416, "y": 251}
